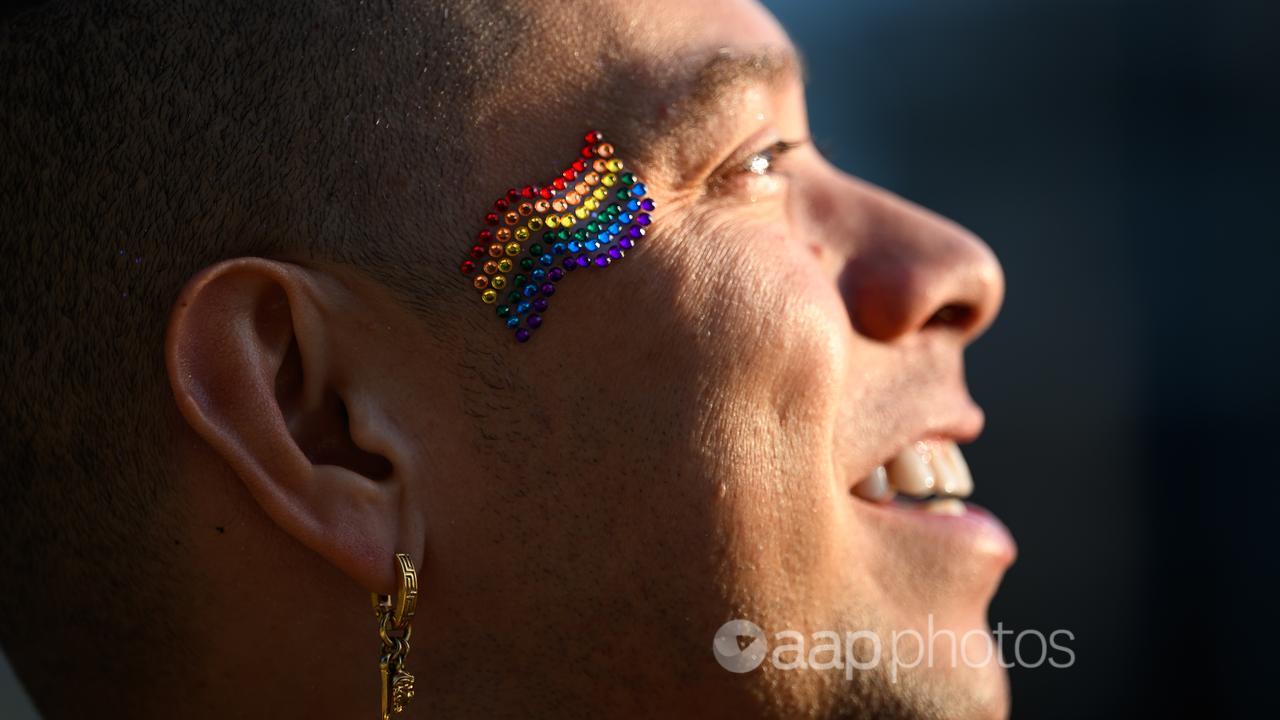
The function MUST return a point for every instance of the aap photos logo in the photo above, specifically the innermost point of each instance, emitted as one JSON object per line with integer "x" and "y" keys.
{"x": 740, "y": 646}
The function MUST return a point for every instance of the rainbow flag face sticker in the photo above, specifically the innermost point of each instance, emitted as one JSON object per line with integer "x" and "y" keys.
{"x": 589, "y": 216}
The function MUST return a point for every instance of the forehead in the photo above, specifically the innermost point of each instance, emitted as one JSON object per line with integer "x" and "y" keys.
{"x": 607, "y": 64}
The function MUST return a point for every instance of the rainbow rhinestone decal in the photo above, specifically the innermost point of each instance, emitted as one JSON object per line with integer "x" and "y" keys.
{"x": 590, "y": 215}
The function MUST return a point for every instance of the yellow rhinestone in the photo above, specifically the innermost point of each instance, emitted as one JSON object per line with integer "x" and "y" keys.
{"x": 609, "y": 180}
{"x": 513, "y": 248}
{"x": 613, "y": 165}
{"x": 581, "y": 212}
{"x": 567, "y": 221}
{"x": 504, "y": 265}
{"x": 535, "y": 223}
{"x": 498, "y": 281}
{"x": 522, "y": 233}
{"x": 599, "y": 193}
{"x": 489, "y": 296}
{"x": 553, "y": 221}
{"x": 590, "y": 204}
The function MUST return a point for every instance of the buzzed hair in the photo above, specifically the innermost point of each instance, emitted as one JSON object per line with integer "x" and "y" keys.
{"x": 140, "y": 142}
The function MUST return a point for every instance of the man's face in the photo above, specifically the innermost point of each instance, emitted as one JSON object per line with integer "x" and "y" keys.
{"x": 680, "y": 443}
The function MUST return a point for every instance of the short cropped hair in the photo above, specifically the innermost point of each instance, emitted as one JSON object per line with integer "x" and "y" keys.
{"x": 140, "y": 142}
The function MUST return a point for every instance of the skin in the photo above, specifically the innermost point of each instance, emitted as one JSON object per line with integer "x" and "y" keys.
{"x": 675, "y": 448}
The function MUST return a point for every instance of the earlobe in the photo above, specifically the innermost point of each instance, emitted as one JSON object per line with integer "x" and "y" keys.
{"x": 253, "y": 363}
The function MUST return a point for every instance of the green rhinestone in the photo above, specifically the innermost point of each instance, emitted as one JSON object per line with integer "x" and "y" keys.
{"x": 623, "y": 194}
{"x": 535, "y": 249}
{"x": 527, "y": 263}
{"x": 627, "y": 178}
{"x": 514, "y": 296}
{"x": 579, "y": 235}
{"x": 518, "y": 279}
{"x": 563, "y": 235}
{"x": 504, "y": 310}
{"x": 593, "y": 228}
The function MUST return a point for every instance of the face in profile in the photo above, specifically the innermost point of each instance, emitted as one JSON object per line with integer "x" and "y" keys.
{"x": 717, "y": 428}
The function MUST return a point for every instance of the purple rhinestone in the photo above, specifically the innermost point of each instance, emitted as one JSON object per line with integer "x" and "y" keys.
{"x": 647, "y": 204}
{"x": 625, "y": 243}
{"x": 636, "y": 232}
{"x": 642, "y": 219}
{"x": 534, "y": 320}
{"x": 583, "y": 261}
{"x": 555, "y": 274}
{"x": 548, "y": 289}
{"x": 522, "y": 335}
{"x": 570, "y": 264}
{"x": 602, "y": 261}
{"x": 615, "y": 253}
{"x": 540, "y": 304}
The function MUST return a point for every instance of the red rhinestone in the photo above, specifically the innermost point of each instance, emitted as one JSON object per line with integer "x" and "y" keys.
{"x": 513, "y": 194}
{"x": 491, "y": 219}
{"x": 468, "y": 267}
{"x": 478, "y": 251}
{"x": 484, "y": 236}
{"x": 501, "y": 204}
{"x": 546, "y": 193}
{"x": 527, "y": 192}
{"x": 594, "y": 137}
{"x": 559, "y": 183}
{"x": 579, "y": 165}
{"x": 587, "y": 151}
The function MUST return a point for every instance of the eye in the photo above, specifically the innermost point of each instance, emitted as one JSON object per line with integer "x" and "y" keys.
{"x": 762, "y": 162}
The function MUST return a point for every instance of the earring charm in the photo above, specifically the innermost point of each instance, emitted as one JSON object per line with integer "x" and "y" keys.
{"x": 395, "y": 616}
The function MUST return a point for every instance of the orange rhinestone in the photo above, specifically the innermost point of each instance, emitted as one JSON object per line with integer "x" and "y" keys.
{"x": 541, "y": 206}
{"x": 525, "y": 208}
{"x": 490, "y": 267}
{"x": 558, "y": 205}
{"x": 604, "y": 150}
{"x": 481, "y": 282}
{"x": 511, "y": 218}
{"x": 495, "y": 250}
{"x": 599, "y": 165}
{"x": 592, "y": 178}
{"x": 503, "y": 234}
{"x": 581, "y": 188}
{"x": 574, "y": 198}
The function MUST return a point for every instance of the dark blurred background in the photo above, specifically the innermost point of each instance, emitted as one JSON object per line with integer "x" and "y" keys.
{"x": 1120, "y": 156}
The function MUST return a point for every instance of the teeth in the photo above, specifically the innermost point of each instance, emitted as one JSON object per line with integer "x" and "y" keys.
{"x": 876, "y": 487}
{"x": 945, "y": 506}
{"x": 950, "y": 466}
{"x": 930, "y": 467}
{"x": 910, "y": 471}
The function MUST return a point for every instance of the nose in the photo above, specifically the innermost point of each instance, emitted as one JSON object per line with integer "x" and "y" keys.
{"x": 910, "y": 271}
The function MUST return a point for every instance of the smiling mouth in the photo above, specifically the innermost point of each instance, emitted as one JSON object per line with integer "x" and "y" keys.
{"x": 928, "y": 475}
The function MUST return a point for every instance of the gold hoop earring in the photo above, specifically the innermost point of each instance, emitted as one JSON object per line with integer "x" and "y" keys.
{"x": 394, "y": 629}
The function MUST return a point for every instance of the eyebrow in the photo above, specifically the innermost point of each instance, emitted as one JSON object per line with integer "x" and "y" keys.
{"x": 718, "y": 78}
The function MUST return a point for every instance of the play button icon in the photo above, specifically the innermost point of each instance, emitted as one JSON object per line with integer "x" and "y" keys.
{"x": 740, "y": 646}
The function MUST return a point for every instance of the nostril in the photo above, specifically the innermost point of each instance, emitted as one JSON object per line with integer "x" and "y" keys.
{"x": 953, "y": 315}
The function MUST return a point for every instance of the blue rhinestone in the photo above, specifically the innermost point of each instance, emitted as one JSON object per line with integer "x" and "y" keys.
{"x": 522, "y": 308}
{"x": 591, "y": 245}
{"x": 529, "y": 290}
{"x": 538, "y": 275}
{"x": 624, "y": 218}
{"x": 638, "y": 189}
{"x": 546, "y": 259}
{"x": 633, "y": 205}
{"x": 614, "y": 229}
{"x": 558, "y": 248}
{"x": 574, "y": 247}
{"x": 604, "y": 238}
{"x": 514, "y": 320}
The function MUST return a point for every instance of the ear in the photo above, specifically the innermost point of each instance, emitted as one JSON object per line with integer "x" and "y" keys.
{"x": 261, "y": 358}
